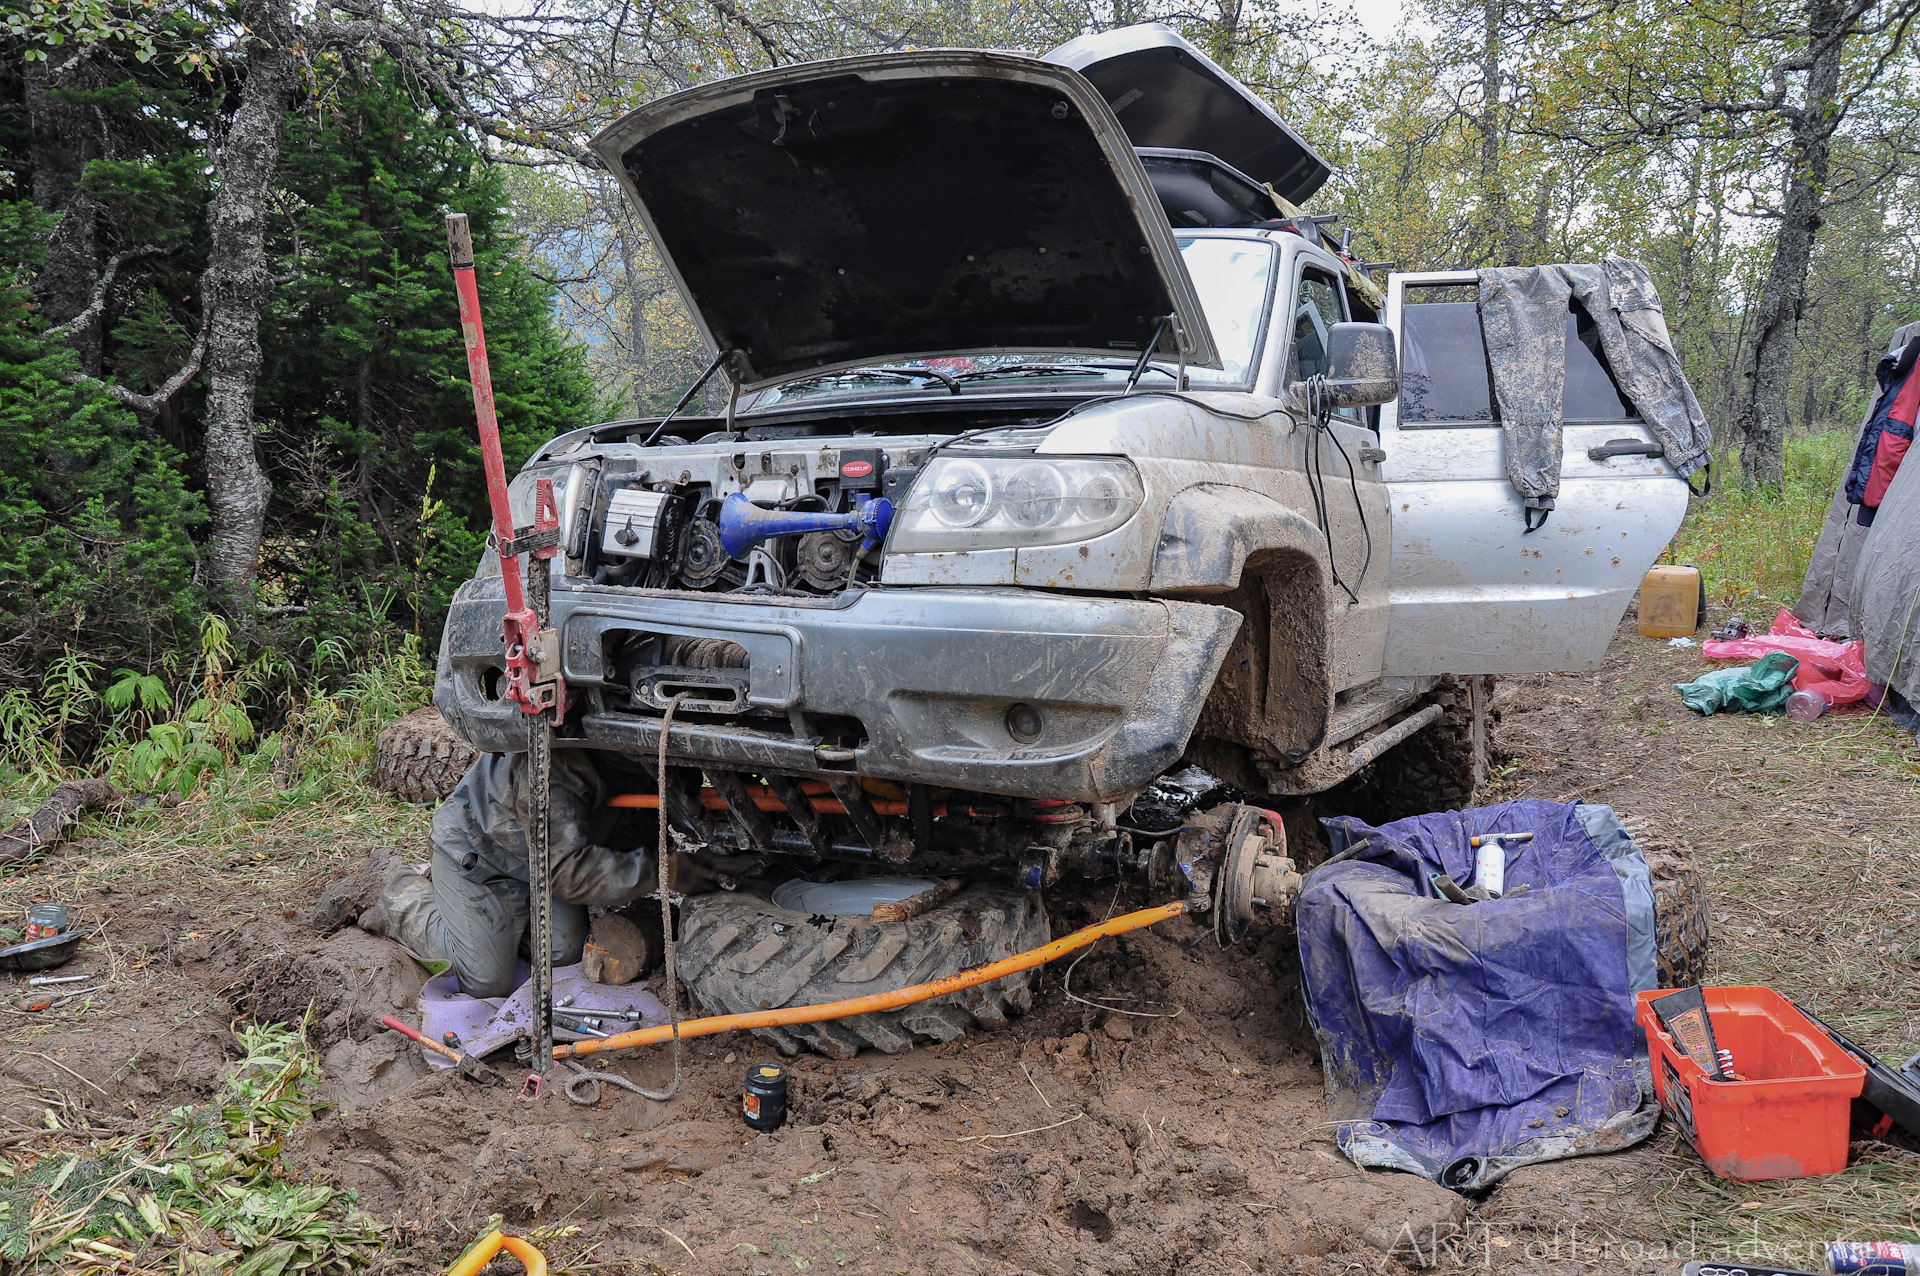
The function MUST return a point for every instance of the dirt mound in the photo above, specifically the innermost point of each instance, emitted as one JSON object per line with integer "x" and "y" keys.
{"x": 1077, "y": 1138}
{"x": 345, "y": 984}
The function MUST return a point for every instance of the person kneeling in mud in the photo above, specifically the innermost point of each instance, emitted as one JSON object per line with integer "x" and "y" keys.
{"x": 472, "y": 910}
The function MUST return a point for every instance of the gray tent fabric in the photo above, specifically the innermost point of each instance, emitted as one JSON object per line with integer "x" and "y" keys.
{"x": 1523, "y": 317}
{"x": 1886, "y": 588}
{"x": 1827, "y": 594}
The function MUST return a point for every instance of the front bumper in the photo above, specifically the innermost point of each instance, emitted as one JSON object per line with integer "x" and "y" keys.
{"x": 929, "y": 673}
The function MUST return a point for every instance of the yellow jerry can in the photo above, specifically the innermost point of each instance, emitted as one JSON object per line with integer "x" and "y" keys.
{"x": 1670, "y": 602}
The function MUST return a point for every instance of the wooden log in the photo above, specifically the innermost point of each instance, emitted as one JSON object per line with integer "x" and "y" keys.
{"x": 48, "y": 826}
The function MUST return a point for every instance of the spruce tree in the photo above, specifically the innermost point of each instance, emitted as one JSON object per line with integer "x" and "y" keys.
{"x": 364, "y": 395}
{"x": 97, "y": 556}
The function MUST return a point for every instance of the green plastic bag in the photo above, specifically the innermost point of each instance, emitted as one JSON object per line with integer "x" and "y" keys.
{"x": 1762, "y": 687}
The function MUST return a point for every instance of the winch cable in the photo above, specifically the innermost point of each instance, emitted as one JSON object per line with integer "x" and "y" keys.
{"x": 585, "y": 1080}
{"x": 667, "y": 943}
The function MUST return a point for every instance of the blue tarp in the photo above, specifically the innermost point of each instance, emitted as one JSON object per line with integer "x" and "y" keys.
{"x": 1461, "y": 1041}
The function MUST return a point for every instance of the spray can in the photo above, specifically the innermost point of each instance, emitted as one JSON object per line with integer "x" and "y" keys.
{"x": 1490, "y": 861}
{"x": 1490, "y": 865}
{"x": 1874, "y": 1258}
{"x": 763, "y": 1100}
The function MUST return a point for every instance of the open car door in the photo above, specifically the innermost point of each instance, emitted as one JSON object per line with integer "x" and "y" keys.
{"x": 1470, "y": 591}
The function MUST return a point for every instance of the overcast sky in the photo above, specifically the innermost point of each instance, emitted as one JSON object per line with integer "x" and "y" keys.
{"x": 1381, "y": 18}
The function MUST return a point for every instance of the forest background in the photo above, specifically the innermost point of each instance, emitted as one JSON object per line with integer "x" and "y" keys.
{"x": 237, "y": 464}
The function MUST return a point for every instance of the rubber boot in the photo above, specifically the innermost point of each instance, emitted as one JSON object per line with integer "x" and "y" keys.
{"x": 403, "y": 912}
{"x": 350, "y": 895}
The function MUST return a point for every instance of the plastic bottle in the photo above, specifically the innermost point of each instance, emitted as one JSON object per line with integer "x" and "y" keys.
{"x": 1805, "y": 706}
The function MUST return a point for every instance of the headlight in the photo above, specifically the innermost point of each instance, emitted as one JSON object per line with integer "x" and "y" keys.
{"x": 571, "y": 484}
{"x": 1007, "y": 502}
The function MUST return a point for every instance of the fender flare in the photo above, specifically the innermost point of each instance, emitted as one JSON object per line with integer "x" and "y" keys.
{"x": 1211, "y": 529}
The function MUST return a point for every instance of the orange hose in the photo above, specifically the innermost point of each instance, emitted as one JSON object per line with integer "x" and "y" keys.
{"x": 492, "y": 1243}
{"x": 881, "y": 1000}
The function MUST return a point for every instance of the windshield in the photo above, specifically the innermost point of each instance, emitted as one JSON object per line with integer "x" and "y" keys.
{"x": 1232, "y": 277}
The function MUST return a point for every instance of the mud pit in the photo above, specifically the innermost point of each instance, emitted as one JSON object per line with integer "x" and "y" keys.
{"x": 1080, "y": 1140}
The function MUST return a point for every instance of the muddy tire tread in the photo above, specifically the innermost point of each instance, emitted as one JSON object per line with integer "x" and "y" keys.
{"x": 418, "y": 758}
{"x": 731, "y": 965}
{"x": 1433, "y": 771}
{"x": 1681, "y": 932}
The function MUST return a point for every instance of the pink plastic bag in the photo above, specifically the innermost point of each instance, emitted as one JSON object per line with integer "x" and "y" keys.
{"x": 1839, "y": 669}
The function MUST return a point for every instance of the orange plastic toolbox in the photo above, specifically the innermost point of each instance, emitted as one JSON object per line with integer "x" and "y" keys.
{"x": 1789, "y": 1120}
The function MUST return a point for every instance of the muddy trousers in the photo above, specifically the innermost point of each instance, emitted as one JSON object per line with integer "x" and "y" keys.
{"x": 477, "y": 920}
{"x": 473, "y": 913}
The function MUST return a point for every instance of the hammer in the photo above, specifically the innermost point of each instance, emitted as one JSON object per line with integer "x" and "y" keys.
{"x": 467, "y": 1064}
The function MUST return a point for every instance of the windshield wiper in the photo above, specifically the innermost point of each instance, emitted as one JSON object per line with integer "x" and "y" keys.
{"x": 879, "y": 374}
{"x": 1054, "y": 369}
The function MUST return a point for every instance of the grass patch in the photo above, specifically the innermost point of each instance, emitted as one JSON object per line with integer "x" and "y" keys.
{"x": 203, "y": 1191}
{"x": 1753, "y": 544}
{"x": 1788, "y": 1222}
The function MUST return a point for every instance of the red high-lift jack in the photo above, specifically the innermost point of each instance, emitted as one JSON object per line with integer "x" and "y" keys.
{"x": 533, "y": 679}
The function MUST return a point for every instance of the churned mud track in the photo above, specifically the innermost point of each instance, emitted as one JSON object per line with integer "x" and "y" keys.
{"x": 1186, "y": 1136}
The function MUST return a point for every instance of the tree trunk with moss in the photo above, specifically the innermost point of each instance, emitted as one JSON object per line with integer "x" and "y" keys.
{"x": 237, "y": 285}
{"x": 1762, "y": 416}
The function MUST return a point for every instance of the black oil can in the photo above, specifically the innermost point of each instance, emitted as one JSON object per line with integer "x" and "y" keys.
{"x": 763, "y": 1100}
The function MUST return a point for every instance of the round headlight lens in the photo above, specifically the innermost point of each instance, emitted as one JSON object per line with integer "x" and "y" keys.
{"x": 1032, "y": 496}
{"x": 964, "y": 497}
{"x": 1100, "y": 498}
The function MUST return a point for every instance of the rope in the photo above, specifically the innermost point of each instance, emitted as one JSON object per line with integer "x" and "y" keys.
{"x": 666, "y": 921}
{"x": 587, "y": 1079}
{"x": 973, "y": 977}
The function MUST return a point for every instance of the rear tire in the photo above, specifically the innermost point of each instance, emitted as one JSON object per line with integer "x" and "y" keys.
{"x": 418, "y": 758}
{"x": 1680, "y": 932}
{"x": 1440, "y": 769}
{"x": 739, "y": 953}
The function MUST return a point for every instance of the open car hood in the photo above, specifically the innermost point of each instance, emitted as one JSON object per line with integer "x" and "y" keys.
{"x": 901, "y": 205}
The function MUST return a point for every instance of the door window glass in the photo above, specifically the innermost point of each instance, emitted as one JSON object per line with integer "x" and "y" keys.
{"x": 1444, "y": 377}
{"x": 1443, "y": 361}
{"x": 1315, "y": 311}
{"x": 1590, "y": 393}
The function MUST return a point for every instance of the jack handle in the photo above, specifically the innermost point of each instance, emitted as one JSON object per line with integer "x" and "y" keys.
{"x": 533, "y": 678}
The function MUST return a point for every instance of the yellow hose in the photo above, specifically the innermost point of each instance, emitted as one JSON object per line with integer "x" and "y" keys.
{"x": 492, "y": 1243}
{"x": 867, "y": 1005}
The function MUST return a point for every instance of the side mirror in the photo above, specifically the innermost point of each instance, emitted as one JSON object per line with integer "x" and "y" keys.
{"x": 1363, "y": 366}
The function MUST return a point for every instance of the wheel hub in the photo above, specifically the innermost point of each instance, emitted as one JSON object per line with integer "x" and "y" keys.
{"x": 1255, "y": 874}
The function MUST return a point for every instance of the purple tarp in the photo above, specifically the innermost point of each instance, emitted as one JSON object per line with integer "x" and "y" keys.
{"x": 1461, "y": 1041}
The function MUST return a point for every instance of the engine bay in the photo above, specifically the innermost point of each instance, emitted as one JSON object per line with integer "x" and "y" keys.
{"x": 656, "y": 519}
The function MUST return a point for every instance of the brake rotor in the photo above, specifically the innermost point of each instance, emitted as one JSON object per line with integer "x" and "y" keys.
{"x": 1255, "y": 874}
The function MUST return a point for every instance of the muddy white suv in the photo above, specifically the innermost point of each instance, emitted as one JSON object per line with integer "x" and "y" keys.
{"x": 1062, "y": 453}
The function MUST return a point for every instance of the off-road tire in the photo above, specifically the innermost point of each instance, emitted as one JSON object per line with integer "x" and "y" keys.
{"x": 419, "y": 759}
{"x": 1680, "y": 935}
{"x": 739, "y": 953}
{"x": 1436, "y": 770}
